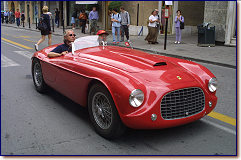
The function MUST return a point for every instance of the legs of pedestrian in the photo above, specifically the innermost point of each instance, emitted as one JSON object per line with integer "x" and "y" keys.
{"x": 113, "y": 34}
{"x": 118, "y": 34}
{"x": 177, "y": 34}
{"x": 39, "y": 42}
{"x": 122, "y": 33}
{"x": 180, "y": 36}
{"x": 50, "y": 39}
{"x": 126, "y": 29}
{"x": 94, "y": 26}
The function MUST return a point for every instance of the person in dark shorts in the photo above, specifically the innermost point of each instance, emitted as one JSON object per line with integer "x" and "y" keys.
{"x": 46, "y": 20}
{"x": 65, "y": 48}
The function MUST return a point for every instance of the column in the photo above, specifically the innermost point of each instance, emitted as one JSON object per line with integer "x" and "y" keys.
{"x": 175, "y": 8}
{"x": 230, "y": 22}
{"x": 5, "y": 3}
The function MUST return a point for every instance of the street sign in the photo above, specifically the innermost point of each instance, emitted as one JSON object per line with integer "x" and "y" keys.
{"x": 86, "y": 2}
{"x": 168, "y": 3}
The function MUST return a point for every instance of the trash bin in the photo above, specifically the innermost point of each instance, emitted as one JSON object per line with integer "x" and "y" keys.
{"x": 206, "y": 35}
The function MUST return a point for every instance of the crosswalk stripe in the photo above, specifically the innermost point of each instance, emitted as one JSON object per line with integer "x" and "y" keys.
{"x": 26, "y": 54}
{"x": 6, "y": 62}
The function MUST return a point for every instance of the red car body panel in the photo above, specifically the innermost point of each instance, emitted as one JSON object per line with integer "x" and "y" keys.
{"x": 122, "y": 70}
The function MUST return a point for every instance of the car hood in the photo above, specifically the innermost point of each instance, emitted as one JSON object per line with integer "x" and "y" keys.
{"x": 133, "y": 61}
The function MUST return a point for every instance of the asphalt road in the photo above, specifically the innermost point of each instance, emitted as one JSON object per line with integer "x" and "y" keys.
{"x": 51, "y": 124}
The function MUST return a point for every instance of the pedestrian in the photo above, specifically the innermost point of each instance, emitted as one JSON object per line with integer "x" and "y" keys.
{"x": 17, "y": 15}
{"x": 57, "y": 17}
{"x": 73, "y": 17}
{"x": 152, "y": 28}
{"x": 12, "y": 17}
{"x": 2, "y": 17}
{"x": 125, "y": 23}
{"x": 93, "y": 18}
{"x": 115, "y": 19}
{"x": 178, "y": 19}
{"x": 83, "y": 20}
{"x": 6, "y": 14}
{"x": 46, "y": 20}
{"x": 22, "y": 18}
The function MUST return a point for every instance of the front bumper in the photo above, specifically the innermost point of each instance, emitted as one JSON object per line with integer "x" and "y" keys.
{"x": 143, "y": 120}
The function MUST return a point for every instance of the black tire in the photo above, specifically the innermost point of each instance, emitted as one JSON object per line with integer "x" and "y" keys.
{"x": 37, "y": 75}
{"x": 103, "y": 113}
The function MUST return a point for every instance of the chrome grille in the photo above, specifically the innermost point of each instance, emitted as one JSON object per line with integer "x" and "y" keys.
{"x": 182, "y": 103}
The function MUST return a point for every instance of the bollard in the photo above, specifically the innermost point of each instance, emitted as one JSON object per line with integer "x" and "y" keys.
{"x": 53, "y": 24}
{"x": 29, "y": 22}
{"x": 36, "y": 23}
{"x": 63, "y": 25}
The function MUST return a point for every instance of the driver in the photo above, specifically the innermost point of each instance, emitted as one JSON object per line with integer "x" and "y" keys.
{"x": 63, "y": 49}
{"x": 102, "y": 36}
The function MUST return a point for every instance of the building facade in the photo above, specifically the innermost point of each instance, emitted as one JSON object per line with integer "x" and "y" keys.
{"x": 221, "y": 14}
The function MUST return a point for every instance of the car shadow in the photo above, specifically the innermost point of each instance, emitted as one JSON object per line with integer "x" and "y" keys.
{"x": 133, "y": 136}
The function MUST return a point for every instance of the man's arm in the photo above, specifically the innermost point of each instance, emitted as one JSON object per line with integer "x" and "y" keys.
{"x": 54, "y": 54}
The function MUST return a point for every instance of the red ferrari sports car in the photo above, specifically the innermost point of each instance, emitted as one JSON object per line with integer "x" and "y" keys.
{"x": 123, "y": 87}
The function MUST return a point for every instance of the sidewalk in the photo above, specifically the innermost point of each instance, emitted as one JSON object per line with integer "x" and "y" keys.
{"x": 188, "y": 49}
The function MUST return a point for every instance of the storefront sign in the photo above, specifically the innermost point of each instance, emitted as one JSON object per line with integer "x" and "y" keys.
{"x": 168, "y": 3}
{"x": 86, "y": 2}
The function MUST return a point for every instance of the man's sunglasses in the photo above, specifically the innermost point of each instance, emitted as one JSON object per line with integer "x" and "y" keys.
{"x": 72, "y": 35}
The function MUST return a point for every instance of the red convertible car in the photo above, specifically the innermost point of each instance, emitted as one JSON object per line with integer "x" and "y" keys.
{"x": 123, "y": 87}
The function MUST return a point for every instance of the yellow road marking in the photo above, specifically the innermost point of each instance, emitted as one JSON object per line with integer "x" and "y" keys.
{"x": 26, "y": 47}
{"x": 223, "y": 118}
{"x": 25, "y": 36}
{"x": 28, "y": 40}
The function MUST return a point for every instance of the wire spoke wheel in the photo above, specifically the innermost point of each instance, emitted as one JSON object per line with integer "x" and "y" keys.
{"x": 38, "y": 78}
{"x": 102, "y": 110}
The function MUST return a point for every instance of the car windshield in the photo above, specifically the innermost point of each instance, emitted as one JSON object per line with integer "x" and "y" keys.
{"x": 86, "y": 42}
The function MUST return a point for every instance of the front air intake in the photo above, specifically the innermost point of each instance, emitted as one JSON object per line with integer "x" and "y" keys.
{"x": 182, "y": 103}
{"x": 160, "y": 64}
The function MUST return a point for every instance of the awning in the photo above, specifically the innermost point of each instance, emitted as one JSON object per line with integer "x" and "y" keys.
{"x": 86, "y": 2}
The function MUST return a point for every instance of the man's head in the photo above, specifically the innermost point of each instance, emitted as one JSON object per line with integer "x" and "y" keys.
{"x": 114, "y": 10}
{"x": 94, "y": 8}
{"x": 122, "y": 9}
{"x": 17, "y": 10}
{"x": 69, "y": 36}
{"x": 102, "y": 36}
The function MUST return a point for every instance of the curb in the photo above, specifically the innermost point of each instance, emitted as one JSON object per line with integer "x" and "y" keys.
{"x": 155, "y": 52}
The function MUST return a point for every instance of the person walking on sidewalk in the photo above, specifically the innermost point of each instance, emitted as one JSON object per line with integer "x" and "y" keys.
{"x": 178, "y": 19}
{"x": 22, "y": 18}
{"x": 83, "y": 20}
{"x": 115, "y": 19}
{"x": 73, "y": 18}
{"x": 57, "y": 17}
{"x": 152, "y": 28}
{"x": 6, "y": 15}
{"x": 93, "y": 18}
{"x": 46, "y": 20}
{"x": 17, "y": 15}
{"x": 125, "y": 23}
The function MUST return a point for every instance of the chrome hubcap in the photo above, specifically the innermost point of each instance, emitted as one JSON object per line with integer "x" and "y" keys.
{"x": 37, "y": 74}
{"x": 102, "y": 110}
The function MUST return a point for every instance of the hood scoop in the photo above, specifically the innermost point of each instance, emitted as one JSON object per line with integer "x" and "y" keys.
{"x": 160, "y": 64}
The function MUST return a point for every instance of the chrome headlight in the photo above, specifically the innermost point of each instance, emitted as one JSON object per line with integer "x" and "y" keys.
{"x": 212, "y": 84}
{"x": 136, "y": 98}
